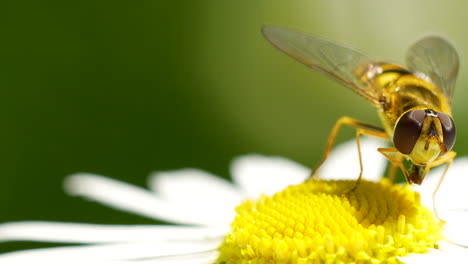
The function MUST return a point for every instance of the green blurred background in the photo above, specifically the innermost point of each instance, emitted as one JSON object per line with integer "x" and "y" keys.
{"x": 124, "y": 88}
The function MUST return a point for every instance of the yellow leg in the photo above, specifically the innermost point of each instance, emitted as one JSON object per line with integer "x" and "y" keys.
{"x": 395, "y": 162}
{"x": 362, "y": 129}
{"x": 447, "y": 158}
{"x": 391, "y": 175}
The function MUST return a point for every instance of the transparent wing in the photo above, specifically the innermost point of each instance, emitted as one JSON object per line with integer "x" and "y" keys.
{"x": 438, "y": 59}
{"x": 327, "y": 57}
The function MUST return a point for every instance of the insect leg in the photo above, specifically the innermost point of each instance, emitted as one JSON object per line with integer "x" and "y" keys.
{"x": 365, "y": 129}
{"x": 447, "y": 158}
{"x": 391, "y": 175}
{"x": 359, "y": 132}
{"x": 396, "y": 162}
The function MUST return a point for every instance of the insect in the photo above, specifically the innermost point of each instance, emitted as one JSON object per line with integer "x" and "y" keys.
{"x": 413, "y": 102}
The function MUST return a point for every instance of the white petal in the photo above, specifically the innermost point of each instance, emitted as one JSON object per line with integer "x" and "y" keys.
{"x": 202, "y": 258}
{"x": 170, "y": 184}
{"x": 199, "y": 258}
{"x": 452, "y": 194}
{"x": 456, "y": 227}
{"x": 54, "y": 257}
{"x": 130, "y": 198}
{"x": 454, "y": 249}
{"x": 93, "y": 233}
{"x": 447, "y": 253}
{"x": 433, "y": 256}
{"x": 343, "y": 162}
{"x": 259, "y": 174}
{"x": 113, "y": 252}
{"x": 214, "y": 198}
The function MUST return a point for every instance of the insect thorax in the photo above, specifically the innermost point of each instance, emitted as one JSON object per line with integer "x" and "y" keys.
{"x": 400, "y": 90}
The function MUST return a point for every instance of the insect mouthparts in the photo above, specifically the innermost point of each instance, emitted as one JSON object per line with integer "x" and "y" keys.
{"x": 432, "y": 131}
{"x": 416, "y": 174}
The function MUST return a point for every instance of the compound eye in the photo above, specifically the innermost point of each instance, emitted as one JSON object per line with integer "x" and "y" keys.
{"x": 448, "y": 129}
{"x": 407, "y": 130}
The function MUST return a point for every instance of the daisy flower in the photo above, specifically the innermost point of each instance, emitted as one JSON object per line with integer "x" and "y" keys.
{"x": 269, "y": 213}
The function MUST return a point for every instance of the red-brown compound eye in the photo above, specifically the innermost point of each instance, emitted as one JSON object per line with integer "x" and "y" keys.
{"x": 407, "y": 130}
{"x": 448, "y": 129}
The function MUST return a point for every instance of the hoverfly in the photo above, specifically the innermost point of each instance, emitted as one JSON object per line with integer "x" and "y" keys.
{"x": 413, "y": 102}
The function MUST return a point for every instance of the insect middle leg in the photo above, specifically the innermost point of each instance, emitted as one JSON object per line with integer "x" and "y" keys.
{"x": 362, "y": 129}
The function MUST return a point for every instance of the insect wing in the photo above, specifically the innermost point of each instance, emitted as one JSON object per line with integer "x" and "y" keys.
{"x": 327, "y": 57}
{"x": 438, "y": 59}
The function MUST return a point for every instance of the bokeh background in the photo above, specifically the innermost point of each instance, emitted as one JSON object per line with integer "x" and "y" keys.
{"x": 124, "y": 88}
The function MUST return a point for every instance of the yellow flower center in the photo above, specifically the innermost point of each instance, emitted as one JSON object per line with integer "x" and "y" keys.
{"x": 323, "y": 222}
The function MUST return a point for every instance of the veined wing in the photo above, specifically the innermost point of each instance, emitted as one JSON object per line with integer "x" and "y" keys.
{"x": 436, "y": 58}
{"x": 327, "y": 57}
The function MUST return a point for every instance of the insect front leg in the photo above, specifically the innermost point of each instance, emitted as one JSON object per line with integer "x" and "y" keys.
{"x": 447, "y": 158}
{"x": 395, "y": 162}
{"x": 362, "y": 129}
{"x": 392, "y": 171}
